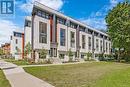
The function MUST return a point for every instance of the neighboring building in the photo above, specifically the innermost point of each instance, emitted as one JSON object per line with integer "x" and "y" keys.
{"x": 17, "y": 44}
{"x": 6, "y": 48}
{"x": 58, "y": 33}
{"x": 27, "y": 30}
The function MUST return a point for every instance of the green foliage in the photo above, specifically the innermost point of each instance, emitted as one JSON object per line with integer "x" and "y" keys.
{"x": 1, "y": 52}
{"x": 3, "y": 81}
{"x": 28, "y": 48}
{"x": 42, "y": 53}
{"x": 101, "y": 57}
{"x": 70, "y": 54}
{"x": 118, "y": 21}
{"x": 88, "y": 55}
{"x": 18, "y": 51}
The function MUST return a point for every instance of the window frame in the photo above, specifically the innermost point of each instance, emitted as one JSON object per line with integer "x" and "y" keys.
{"x": 42, "y": 32}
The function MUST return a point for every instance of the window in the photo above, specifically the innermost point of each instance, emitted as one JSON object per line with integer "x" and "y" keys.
{"x": 89, "y": 43}
{"x": 28, "y": 23}
{"x": 95, "y": 34}
{"x": 55, "y": 52}
{"x": 61, "y": 21}
{"x": 17, "y": 34}
{"x": 16, "y": 48}
{"x": 39, "y": 13}
{"x": 73, "y": 25}
{"x": 42, "y": 32}
{"x": 72, "y": 36}
{"x": 101, "y": 35}
{"x": 83, "y": 41}
{"x": 109, "y": 47}
{"x": 101, "y": 46}
{"x": 61, "y": 56}
{"x": 106, "y": 47}
{"x": 62, "y": 37}
{"x": 43, "y": 14}
{"x": 97, "y": 45}
{"x": 16, "y": 41}
{"x": 82, "y": 28}
{"x": 82, "y": 56}
{"x": 90, "y": 31}
{"x": 10, "y": 37}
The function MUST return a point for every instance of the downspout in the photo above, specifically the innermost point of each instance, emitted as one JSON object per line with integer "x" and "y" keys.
{"x": 93, "y": 49}
{"x": 32, "y": 38}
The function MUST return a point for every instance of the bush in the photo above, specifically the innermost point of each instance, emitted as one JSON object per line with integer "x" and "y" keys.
{"x": 70, "y": 59}
{"x": 101, "y": 57}
{"x": 88, "y": 55}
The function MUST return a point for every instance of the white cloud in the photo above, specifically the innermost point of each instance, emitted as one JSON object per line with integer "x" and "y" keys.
{"x": 98, "y": 23}
{"x": 97, "y": 19}
{"x": 55, "y": 4}
{"x": 6, "y": 29}
{"x": 114, "y": 2}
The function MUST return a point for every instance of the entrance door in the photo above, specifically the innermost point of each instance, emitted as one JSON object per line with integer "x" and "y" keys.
{"x": 53, "y": 52}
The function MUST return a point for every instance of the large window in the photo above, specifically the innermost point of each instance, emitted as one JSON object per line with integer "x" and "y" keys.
{"x": 83, "y": 42}
{"x": 97, "y": 45}
{"x": 42, "y": 32}
{"x": 72, "y": 36}
{"x": 62, "y": 37}
{"x": 89, "y": 43}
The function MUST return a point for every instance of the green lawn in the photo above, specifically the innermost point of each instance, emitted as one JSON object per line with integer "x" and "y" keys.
{"x": 119, "y": 78}
{"x": 3, "y": 81}
{"x": 102, "y": 74}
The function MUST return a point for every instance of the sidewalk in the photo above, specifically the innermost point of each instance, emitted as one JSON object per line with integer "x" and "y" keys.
{"x": 19, "y": 78}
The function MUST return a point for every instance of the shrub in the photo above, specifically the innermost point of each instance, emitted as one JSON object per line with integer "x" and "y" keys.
{"x": 101, "y": 57}
{"x": 42, "y": 53}
{"x": 70, "y": 54}
{"x": 88, "y": 55}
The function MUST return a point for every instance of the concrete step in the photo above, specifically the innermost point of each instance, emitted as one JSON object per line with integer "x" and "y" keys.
{"x": 56, "y": 60}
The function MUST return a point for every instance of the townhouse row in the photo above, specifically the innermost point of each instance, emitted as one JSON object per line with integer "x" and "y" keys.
{"x": 57, "y": 33}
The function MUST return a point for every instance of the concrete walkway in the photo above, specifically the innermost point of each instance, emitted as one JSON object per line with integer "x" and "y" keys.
{"x": 19, "y": 78}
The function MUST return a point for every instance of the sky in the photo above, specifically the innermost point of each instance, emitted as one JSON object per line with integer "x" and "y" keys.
{"x": 90, "y": 12}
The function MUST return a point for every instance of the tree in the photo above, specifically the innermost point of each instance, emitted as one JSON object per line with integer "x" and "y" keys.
{"x": 1, "y": 52}
{"x": 118, "y": 23}
{"x": 18, "y": 51}
{"x": 42, "y": 53}
{"x": 28, "y": 48}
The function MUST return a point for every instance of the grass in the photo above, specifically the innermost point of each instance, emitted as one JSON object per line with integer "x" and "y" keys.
{"x": 17, "y": 62}
{"x": 119, "y": 78}
{"x": 3, "y": 81}
{"x": 102, "y": 74}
